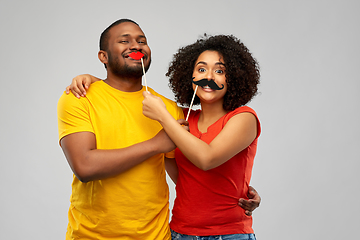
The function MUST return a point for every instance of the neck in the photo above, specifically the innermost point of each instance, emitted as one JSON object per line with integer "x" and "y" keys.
{"x": 210, "y": 113}
{"x": 122, "y": 83}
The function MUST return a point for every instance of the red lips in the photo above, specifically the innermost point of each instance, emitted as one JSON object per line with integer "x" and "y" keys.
{"x": 136, "y": 55}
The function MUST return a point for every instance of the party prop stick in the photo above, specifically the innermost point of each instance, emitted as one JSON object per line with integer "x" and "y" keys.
{"x": 142, "y": 63}
{"x": 139, "y": 56}
{"x": 192, "y": 100}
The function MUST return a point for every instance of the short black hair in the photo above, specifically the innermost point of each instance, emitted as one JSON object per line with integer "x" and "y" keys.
{"x": 242, "y": 70}
{"x": 104, "y": 37}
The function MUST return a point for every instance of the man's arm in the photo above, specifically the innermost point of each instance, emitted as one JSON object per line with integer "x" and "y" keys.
{"x": 253, "y": 202}
{"x": 89, "y": 163}
{"x": 170, "y": 163}
{"x": 172, "y": 169}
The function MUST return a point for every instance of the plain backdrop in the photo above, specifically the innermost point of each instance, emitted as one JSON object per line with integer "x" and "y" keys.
{"x": 306, "y": 169}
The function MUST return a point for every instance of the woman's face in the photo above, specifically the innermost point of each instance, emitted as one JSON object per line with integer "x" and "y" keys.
{"x": 211, "y": 66}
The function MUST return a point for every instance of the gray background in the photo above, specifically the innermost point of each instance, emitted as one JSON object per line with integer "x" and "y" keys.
{"x": 308, "y": 156}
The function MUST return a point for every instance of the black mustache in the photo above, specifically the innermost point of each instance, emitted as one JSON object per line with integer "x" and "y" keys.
{"x": 205, "y": 82}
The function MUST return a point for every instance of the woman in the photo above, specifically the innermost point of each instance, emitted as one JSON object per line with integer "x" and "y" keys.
{"x": 215, "y": 157}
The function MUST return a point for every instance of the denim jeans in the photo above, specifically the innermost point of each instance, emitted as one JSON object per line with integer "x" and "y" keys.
{"x": 178, "y": 236}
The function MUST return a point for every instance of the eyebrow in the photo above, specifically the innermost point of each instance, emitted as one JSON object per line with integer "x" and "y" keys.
{"x": 128, "y": 35}
{"x": 218, "y": 63}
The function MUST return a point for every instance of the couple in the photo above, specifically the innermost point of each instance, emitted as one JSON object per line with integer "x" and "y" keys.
{"x": 117, "y": 136}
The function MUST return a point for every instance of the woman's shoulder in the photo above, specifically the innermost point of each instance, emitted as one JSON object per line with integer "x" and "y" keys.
{"x": 241, "y": 109}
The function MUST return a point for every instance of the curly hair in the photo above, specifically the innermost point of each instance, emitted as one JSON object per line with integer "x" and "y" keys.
{"x": 242, "y": 70}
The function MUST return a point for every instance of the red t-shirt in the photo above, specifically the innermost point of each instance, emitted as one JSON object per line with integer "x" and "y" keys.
{"x": 207, "y": 201}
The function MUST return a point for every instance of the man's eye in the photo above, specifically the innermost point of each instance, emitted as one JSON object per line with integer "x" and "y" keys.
{"x": 141, "y": 40}
{"x": 124, "y": 41}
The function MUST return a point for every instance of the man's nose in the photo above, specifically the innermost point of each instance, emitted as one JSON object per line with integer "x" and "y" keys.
{"x": 134, "y": 45}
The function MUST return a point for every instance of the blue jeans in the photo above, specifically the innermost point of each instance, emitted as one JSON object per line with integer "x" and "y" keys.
{"x": 178, "y": 236}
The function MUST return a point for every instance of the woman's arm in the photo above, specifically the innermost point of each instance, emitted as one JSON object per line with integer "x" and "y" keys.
{"x": 239, "y": 132}
{"x": 80, "y": 84}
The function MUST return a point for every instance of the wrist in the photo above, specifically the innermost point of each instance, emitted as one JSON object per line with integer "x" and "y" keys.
{"x": 165, "y": 118}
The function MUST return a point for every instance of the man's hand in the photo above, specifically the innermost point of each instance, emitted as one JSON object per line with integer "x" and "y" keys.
{"x": 251, "y": 204}
{"x": 184, "y": 124}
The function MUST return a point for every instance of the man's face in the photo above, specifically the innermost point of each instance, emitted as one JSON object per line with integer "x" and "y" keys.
{"x": 126, "y": 38}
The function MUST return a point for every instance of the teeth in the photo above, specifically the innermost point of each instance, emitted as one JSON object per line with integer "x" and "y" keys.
{"x": 207, "y": 87}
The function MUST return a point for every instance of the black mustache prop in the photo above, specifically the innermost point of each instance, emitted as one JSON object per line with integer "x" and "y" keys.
{"x": 205, "y": 82}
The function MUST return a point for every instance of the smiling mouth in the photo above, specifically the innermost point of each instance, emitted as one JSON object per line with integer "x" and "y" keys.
{"x": 133, "y": 59}
{"x": 207, "y": 88}
{"x": 136, "y": 56}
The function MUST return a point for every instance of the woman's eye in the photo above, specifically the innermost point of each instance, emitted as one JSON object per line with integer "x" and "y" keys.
{"x": 201, "y": 70}
{"x": 219, "y": 71}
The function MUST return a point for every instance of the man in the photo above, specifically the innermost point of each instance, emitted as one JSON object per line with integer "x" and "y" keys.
{"x": 119, "y": 188}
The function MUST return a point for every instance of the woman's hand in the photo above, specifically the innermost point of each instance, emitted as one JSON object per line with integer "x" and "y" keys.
{"x": 80, "y": 84}
{"x": 153, "y": 107}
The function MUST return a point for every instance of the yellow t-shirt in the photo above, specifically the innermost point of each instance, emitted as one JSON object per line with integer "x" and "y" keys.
{"x": 133, "y": 204}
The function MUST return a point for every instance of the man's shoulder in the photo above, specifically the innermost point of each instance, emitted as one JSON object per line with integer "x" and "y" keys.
{"x": 165, "y": 99}
{"x": 171, "y": 105}
{"x": 93, "y": 90}
{"x": 168, "y": 101}
{"x": 69, "y": 101}
{"x": 67, "y": 98}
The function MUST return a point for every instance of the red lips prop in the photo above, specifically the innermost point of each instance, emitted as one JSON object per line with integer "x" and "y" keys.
{"x": 136, "y": 55}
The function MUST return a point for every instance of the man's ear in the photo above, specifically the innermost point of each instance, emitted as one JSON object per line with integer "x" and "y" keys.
{"x": 103, "y": 56}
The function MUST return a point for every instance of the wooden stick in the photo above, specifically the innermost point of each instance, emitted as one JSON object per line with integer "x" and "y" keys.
{"x": 142, "y": 63}
{"x": 192, "y": 100}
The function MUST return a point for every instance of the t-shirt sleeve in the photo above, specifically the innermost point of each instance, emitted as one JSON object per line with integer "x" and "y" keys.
{"x": 73, "y": 115}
